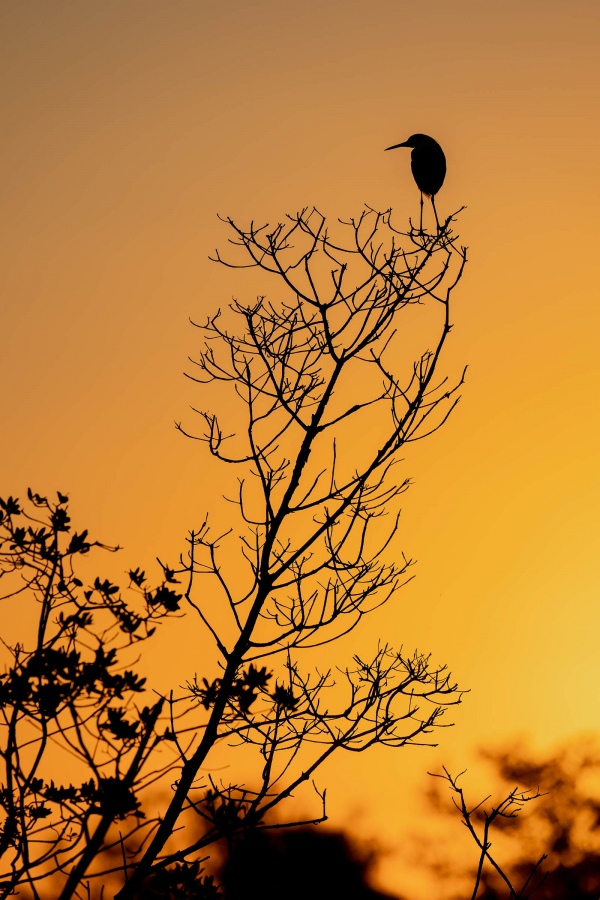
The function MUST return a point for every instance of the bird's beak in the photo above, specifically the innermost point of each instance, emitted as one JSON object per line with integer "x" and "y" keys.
{"x": 394, "y": 146}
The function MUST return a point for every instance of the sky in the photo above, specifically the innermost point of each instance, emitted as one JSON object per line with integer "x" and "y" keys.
{"x": 130, "y": 126}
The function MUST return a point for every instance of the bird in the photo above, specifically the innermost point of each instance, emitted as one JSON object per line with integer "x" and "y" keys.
{"x": 428, "y": 165}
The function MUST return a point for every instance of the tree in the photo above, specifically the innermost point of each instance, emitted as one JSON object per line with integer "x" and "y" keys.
{"x": 553, "y": 854}
{"x": 332, "y": 380}
{"x": 329, "y": 391}
{"x": 67, "y": 706}
{"x": 480, "y": 823}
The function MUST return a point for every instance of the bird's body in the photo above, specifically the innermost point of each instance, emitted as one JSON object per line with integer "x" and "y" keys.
{"x": 428, "y": 165}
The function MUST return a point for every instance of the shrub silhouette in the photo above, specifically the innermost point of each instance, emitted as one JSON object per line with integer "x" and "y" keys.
{"x": 75, "y": 738}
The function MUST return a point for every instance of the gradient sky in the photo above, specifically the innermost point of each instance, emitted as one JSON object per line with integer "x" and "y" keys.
{"x": 130, "y": 125}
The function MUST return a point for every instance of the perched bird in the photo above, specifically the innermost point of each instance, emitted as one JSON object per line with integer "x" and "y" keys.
{"x": 428, "y": 165}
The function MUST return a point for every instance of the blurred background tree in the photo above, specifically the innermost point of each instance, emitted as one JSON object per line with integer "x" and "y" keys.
{"x": 300, "y": 863}
{"x": 551, "y": 849}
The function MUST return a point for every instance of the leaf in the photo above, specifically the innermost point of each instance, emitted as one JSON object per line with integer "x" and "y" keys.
{"x": 36, "y": 498}
{"x": 138, "y": 576}
{"x": 60, "y": 520}
{"x": 79, "y": 543}
{"x": 118, "y": 725}
{"x": 106, "y": 587}
{"x": 19, "y": 536}
{"x": 244, "y": 696}
{"x": 39, "y": 812}
{"x": 116, "y": 799}
{"x": 208, "y": 694}
{"x": 11, "y": 506}
{"x": 129, "y": 621}
{"x": 284, "y": 698}
{"x": 168, "y": 572}
{"x": 165, "y": 597}
{"x": 59, "y": 793}
{"x": 256, "y": 678}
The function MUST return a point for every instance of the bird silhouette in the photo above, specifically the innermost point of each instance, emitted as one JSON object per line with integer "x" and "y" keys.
{"x": 428, "y": 165}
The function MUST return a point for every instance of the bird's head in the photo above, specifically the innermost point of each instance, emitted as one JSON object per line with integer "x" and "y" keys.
{"x": 415, "y": 140}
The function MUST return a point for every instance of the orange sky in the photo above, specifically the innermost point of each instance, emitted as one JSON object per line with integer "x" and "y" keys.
{"x": 130, "y": 125}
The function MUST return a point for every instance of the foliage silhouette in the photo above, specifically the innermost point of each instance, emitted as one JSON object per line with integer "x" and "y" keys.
{"x": 67, "y": 705}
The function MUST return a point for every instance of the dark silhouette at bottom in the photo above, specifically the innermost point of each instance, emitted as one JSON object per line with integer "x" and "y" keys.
{"x": 299, "y": 864}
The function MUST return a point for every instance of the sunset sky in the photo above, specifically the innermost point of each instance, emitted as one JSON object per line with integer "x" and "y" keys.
{"x": 128, "y": 126}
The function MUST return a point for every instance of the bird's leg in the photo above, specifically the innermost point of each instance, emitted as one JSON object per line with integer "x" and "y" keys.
{"x": 437, "y": 221}
{"x": 421, "y": 216}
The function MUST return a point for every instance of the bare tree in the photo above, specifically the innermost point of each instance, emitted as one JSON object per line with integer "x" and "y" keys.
{"x": 563, "y": 833}
{"x": 332, "y": 379}
{"x": 480, "y": 824}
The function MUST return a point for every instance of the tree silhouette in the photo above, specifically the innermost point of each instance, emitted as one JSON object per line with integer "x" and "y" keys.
{"x": 552, "y": 853}
{"x": 329, "y": 390}
{"x": 74, "y": 743}
{"x": 332, "y": 380}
